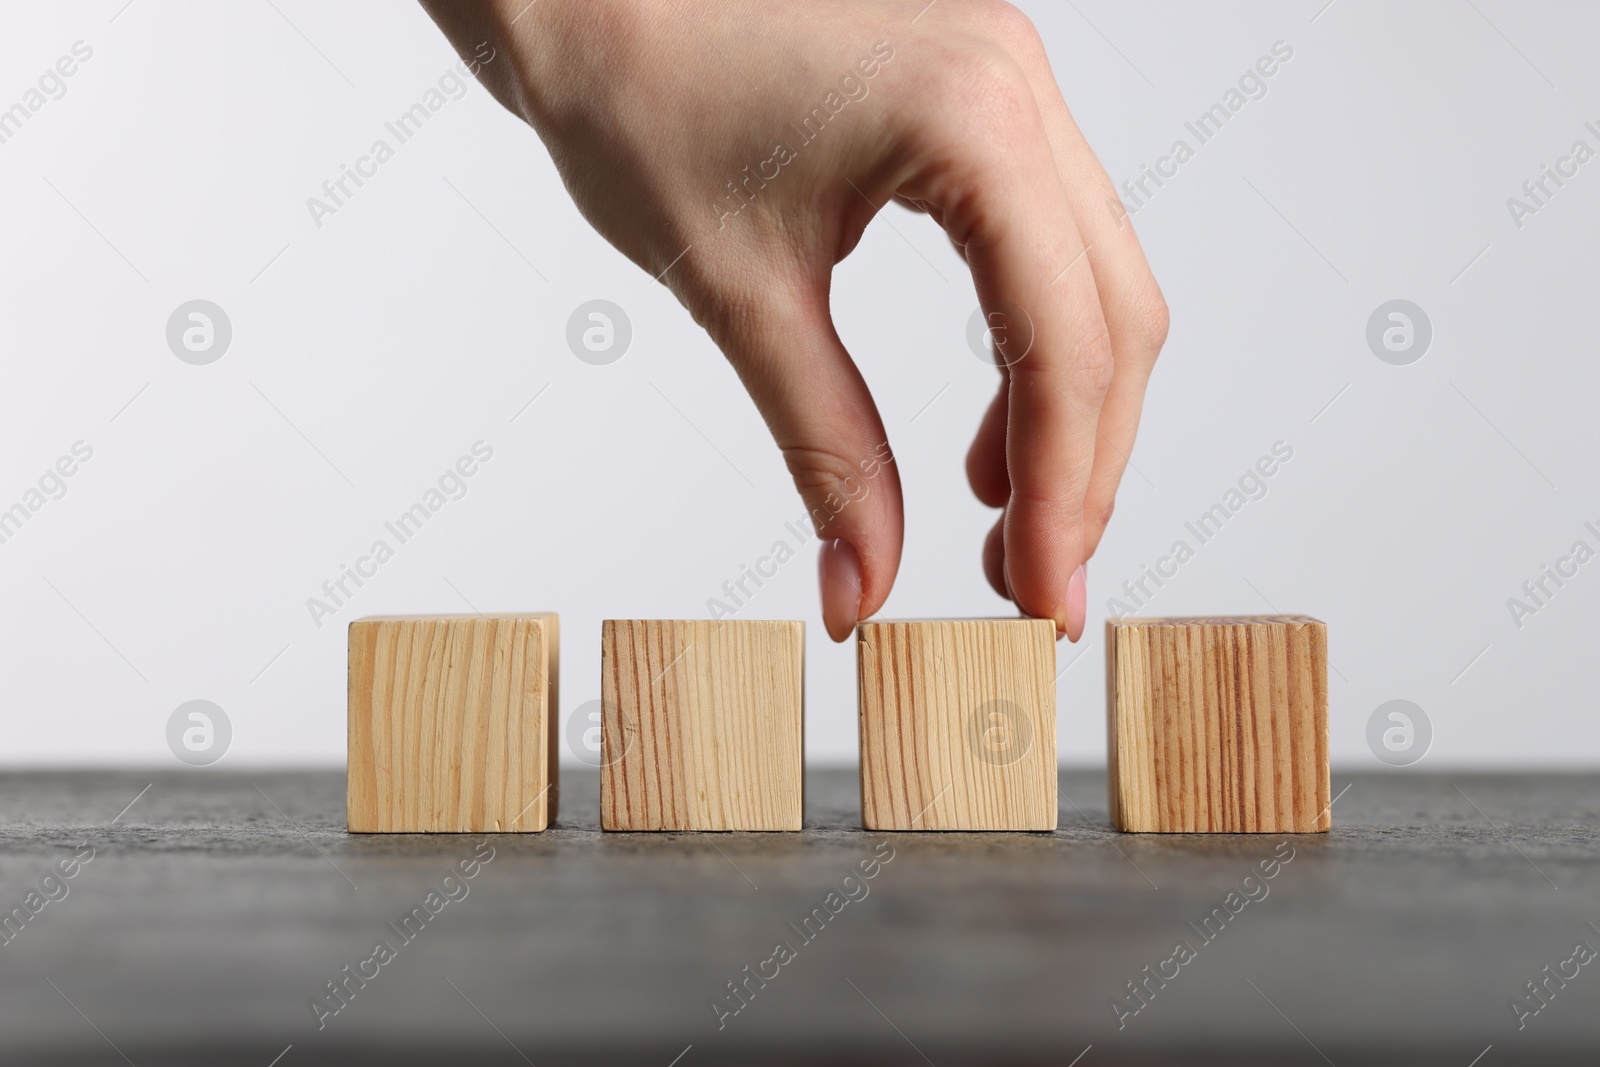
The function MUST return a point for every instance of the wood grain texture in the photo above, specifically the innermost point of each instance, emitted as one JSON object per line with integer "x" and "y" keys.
{"x": 453, "y": 724}
{"x": 1218, "y": 725}
{"x": 702, "y": 725}
{"x": 958, "y": 724}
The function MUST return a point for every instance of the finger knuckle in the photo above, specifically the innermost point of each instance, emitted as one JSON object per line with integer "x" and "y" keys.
{"x": 826, "y": 479}
{"x": 981, "y": 94}
{"x": 1062, "y": 513}
{"x": 1005, "y": 23}
{"x": 1105, "y": 511}
{"x": 1151, "y": 319}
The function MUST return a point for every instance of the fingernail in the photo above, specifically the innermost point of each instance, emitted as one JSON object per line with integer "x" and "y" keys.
{"x": 1077, "y": 603}
{"x": 839, "y": 572}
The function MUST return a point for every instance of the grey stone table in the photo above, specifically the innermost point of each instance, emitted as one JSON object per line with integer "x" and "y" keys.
{"x": 216, "y": 908}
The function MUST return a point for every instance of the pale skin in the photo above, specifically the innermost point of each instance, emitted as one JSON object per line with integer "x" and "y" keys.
{"x": 651, "y": 107}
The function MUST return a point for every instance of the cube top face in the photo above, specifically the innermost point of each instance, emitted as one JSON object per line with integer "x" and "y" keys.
{"x": 958, "y": 724}
{"x": 1218, "y": 620}
{"x": 1218, "y": 725}
{"x": 452, "y": 724}
{"x": 702, "y": 725}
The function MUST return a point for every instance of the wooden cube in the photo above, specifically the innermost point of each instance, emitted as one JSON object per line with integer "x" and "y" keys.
{"x": 701, "y": 725}
{"x": 453, "y": 724}
{"x": 958, "y": 724}
{"x": 1218, "y": 725}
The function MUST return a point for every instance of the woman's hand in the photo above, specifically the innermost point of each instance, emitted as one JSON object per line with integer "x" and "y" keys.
{"x": 738, "y": 149}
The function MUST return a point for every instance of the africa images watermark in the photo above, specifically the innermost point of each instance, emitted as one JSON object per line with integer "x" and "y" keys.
{"x": 853, "y": 888}
{"x": 852, "y": 88}
{"x": 51, "y": 86}
{"x": 1540, "y": 990}
{"x": 1538, "y": 191}
{"x": 1253, "y": 889}
{"x": 452, "y": 485}
{"x": 453, "y": 84}
{"x": 340, "y": 990}
{"x": 51, "y": 486}
{"x": 52, "y": 889}
{"x": 1252, "y": 485}
{"x": 1252, "y": 85}
{"x": 1538, "y": 591}
{"x": 852, "y": 490}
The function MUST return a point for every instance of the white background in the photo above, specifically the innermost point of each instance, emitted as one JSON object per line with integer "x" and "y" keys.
{"x": 370, "y": 353}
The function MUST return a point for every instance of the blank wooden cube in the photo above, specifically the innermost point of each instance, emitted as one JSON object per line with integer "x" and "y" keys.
{"x": 958, "y": 724}
{"x": 701, "y": 725}
{"x": 453, "y": 724}
{"x": 1218, "y": 725}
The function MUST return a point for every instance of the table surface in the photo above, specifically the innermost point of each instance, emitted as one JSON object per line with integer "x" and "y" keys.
{"x": 220, "y": 903}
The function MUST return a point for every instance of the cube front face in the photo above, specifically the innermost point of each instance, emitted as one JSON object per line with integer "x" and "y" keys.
{"x": 452, "y": 724}
{"x": 1218, "y": 725}
{"x": 958, "y": 724}
{"x": 702, "y": 725}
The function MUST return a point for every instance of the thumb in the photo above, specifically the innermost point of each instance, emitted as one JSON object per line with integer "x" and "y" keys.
{"x": 783, "y": 344}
